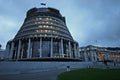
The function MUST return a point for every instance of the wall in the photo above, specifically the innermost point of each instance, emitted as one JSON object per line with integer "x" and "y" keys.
{"x": 27, "y": 67}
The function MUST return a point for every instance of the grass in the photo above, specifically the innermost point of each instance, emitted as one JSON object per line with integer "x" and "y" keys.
{"x": 91, "y": 74}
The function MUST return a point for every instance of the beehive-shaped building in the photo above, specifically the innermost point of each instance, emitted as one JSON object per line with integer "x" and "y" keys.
{"x": 43, "y": 35}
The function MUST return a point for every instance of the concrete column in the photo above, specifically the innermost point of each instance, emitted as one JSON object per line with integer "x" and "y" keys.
{"x": 85, "y": 55}
{"x": 95, "y": 55}
{"x": 40, "y": 47}
{"x": 59, "y": 49}
{"x": 69, "y": 44}
{"x": 11, "y": 50}
{"x": 7, "y": 50}
{"x": 75, "y": 53}
{"x": 51, "y": 52}
{"x": 106, "y": 56}
{"x": 22, "y": 52}
{"x": 78, "y": 52}
{"x": 62, "y": 51}
{"x": 67, "y": 50}
{"x": 15, "y": 48}
{"x": 72, "y": 51}
{"x": 19, "y": 47}
{"x": 28, "y": 54}
{"x": 92, "y": 55}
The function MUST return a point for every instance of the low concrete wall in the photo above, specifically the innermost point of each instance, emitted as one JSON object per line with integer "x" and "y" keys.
{"x": 27, "y": 67}
{"x": 110, "y": 65}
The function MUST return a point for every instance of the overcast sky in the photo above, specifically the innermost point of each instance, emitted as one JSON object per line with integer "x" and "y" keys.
{"x": 91, "y": 22}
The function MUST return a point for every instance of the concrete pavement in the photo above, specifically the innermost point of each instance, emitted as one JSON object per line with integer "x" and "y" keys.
{"x": 43, "y": 75}
{"x": 46, "y": 74}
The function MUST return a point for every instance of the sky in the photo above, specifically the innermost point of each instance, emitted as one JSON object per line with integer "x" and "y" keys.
{"x": 90, "y": 22}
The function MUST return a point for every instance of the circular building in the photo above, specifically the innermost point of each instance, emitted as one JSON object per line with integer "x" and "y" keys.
{"x": 43, "y": 35}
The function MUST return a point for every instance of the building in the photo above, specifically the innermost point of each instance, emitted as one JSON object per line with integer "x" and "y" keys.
{"x": 95, "y": 53}
{"x": 43, "y": 35}
{"x": 2, "y": 53}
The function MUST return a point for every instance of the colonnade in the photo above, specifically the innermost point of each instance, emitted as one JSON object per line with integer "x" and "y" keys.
{"x": 95, "y": 55}
{"x": 16, "y": 49}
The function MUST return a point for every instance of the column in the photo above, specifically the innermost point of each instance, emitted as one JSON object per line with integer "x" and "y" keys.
{"x": 106, "y": 56}
{"x": 62, "y": 52}
{"x": 85, "y": 55}
{"x": 67, "y": 49}
{"x": 11, "y": 50}
{"x": 95, "y": 56}
{"x": 75, "y": 50}
{"x": 28, "y": 54}
{"x": 92, "y": 55}
{"x": 78, "y": 52}
{"x": 69, "y": 44}
{"x": 7, "y": 50}
{"x": 59, "y": 49}
{"x": 15, "y": 53}
{"x": 40, "y": 47}
{"x": 22, "y": 52}
{"x": 19, "y": 47}
{"x": 51, "y": 52}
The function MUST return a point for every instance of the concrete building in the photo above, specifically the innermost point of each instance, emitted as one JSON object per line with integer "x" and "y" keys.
{"x": 2, "y": 53}
{"x": 43, "y": 35}
{"x": 95, "y": 53}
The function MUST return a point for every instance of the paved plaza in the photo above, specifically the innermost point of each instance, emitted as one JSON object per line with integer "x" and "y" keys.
{"x": 48, "y": 74}
{"x": 43, "y": 75}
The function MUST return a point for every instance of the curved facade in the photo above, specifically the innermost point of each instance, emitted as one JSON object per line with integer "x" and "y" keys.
{"x": 44, "y": 34}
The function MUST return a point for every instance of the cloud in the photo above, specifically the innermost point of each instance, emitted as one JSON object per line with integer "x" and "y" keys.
{"x": 8, "y": 28}
{"x": 93, "y": 22}
{"x": 99, "y": 22}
